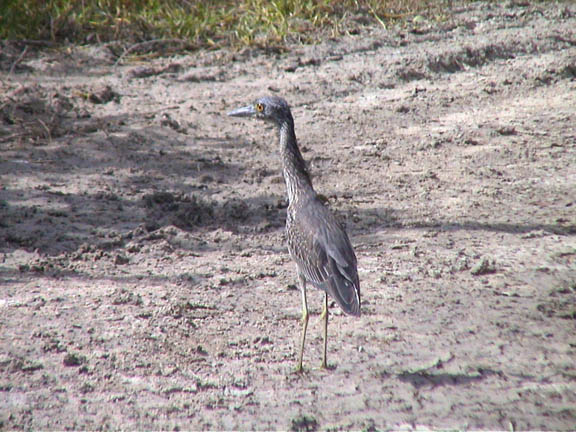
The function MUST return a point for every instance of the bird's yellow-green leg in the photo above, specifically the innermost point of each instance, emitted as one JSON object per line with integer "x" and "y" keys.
{"x": 324, "y": 317}
{"x": 304, "y": 321}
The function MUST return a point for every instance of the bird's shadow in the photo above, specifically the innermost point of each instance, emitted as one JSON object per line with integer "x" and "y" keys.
{"x": 429, "y": 378}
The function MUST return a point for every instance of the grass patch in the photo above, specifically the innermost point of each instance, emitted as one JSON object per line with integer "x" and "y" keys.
{"x": 199, "y": 24}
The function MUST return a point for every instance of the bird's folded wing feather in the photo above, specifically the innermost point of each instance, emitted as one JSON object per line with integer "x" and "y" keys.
{"x": 326, "y": 241}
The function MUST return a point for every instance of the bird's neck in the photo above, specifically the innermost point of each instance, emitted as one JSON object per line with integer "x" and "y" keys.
{"x": 298, "y": 182}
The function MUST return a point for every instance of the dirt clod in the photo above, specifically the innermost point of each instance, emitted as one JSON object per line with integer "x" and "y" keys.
{"x": 304, "y": 423}
{"x": 483, "y": 266}
{"x": 73, "y": 359}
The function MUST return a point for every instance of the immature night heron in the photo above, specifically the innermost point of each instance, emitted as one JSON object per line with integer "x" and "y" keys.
{"x": 316, "y": 241}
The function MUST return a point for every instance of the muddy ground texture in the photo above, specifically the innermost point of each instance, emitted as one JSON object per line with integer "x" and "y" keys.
{"x": 145, "y": 282}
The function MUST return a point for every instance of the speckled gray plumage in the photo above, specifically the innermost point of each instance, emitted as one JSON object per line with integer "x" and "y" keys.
{"x": 317, "y": 242}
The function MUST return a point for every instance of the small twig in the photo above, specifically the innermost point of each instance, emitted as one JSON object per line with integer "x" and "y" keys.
{"x": 20, "y": 57}
{"x": 47, "y": 130}
{"x": 146, "y": 44}
{"x": 11, "y": 137}
{"x": 171, "y": 107}
{"x": 38, "y": 42}
{"x": 373, "y": 12}
{"x": 565, "y": 40}
{"x": 398, "y": 15}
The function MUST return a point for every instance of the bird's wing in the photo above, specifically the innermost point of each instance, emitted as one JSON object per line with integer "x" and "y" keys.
{"x": 309, "y": 254}
{"x": 326, "y": 257}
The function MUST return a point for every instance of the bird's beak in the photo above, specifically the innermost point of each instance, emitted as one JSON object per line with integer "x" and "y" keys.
{"x": 247, "y": 111}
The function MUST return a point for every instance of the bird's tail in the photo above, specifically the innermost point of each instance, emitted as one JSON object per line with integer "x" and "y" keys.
{"x": 345, "y": 289}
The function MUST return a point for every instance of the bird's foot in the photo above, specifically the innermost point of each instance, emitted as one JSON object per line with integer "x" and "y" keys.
{"x": 299, "y": 370}
{"x": 326, "y": 366}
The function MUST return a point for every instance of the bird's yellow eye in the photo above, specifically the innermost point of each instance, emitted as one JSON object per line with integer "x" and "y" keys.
{"x": 259, "y": 107}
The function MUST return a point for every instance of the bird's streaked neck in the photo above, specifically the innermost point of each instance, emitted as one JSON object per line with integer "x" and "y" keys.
{"x": 298, "y": 183}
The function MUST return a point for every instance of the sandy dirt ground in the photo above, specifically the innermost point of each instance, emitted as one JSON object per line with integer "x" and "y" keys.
{"x": 144, "y": 277}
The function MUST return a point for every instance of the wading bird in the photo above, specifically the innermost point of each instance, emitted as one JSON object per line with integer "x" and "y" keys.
{"x": 317, "y": 242}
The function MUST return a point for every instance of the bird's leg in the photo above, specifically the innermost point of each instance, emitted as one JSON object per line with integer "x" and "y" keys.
{"x": 304, "y": 321}
{"x": 324, "y": 317}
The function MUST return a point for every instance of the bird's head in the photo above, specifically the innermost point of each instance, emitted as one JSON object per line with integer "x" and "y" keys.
{"x": 269, "y": 108}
